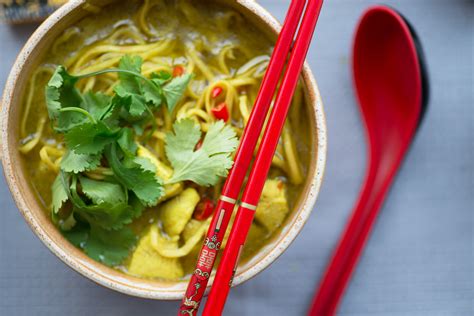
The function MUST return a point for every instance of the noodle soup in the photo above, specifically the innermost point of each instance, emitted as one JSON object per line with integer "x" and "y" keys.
{"x": 119, "y": 120}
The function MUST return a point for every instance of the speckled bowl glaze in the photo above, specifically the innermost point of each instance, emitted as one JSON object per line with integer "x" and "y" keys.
{"x": 40, "y": 223}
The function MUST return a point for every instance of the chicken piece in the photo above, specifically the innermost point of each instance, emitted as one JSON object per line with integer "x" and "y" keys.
{"x": 193, "y": 227}
{"x": 176, "y": 212}
{"x": 166, "y": 246}
{"x": 147, "y": 262}
{"x": 273, "y": 206}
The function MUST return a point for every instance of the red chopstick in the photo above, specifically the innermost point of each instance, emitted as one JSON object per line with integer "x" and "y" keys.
{"x": 223, "y": 211}
{"x": 258, "y": 174}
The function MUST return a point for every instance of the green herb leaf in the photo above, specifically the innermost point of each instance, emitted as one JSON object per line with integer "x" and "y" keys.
{"x": 184, "y": 139}
{"x": 130, "y": 87}
{"x": 161, "y": 77}
{"x": 207, "y": 164}
{"x": 59, "y": 194}
{"x": 127, "y": 143}
{"x": 130, "y": 82}
{"x": 103, "y": 192}
{"x": 145, "y": 164}
{"x": 97, "y": 104}
{"x": 109, "y": 247}
{"x": 78, "y": 235}
{"x": 75, "y": 163}
{"x": 92, "y": 123}
{"x": 174, "y": 90}
{"x": 61, "y": 92}
{"x": 89, "y": 138}
{"x": 136, "y": 103}
{"x": 152, "y": 92}
{"x": 109, "y": 207}
{"x": 135, "y": 88}
{"x": 144, "y": 183}
{"x": 220, "y": 139}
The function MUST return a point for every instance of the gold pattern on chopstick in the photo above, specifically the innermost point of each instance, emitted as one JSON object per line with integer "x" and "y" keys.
{"x": 190, "y": 302}
{"x": 198, "y": 272}
{"x": 212, "y": 243}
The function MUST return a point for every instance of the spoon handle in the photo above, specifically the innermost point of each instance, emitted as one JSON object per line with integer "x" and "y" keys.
{"x": 353, "y": 241}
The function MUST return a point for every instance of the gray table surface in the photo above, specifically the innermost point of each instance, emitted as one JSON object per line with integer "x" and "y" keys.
{"x": 419, "y": 260}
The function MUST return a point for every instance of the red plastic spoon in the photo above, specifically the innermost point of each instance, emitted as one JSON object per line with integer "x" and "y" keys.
{"x": 392, "y": 90}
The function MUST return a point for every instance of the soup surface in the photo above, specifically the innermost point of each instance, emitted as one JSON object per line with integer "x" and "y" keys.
{"x": 123, "y": 160}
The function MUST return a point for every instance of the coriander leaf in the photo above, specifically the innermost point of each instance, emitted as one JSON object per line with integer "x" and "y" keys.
{"x": 145, "y": 164}
{"x": 174, "y": 90}
{"x": 144, "y": 183}
{"x": 161, "y": 76}
{"x": 128, "y": 81}
{"x": 129, "y": 87}
{"x": 152, "y": 92}
{"x": 113, "y": 115}
{"x": 127, "y": 143}
{"x": 184, "y": 139}
{"x": 97, "y": 104}
{"x": 202, "y": 169}
{"x": 89, "y": 138}
{"x": 110, "y": 247}
{"x": 205, "y": 165}
{"x": 68, "y": 120}
{"x": 59, "y": 194}
{"x": 111, "y": 211}
{"x": 220, "y": 139}
{"x": 136, "y": 89}
{"x": 135, "y": 205}
{"x": 75, "y": 163}
{"x": 136, "y": 103}
{"x": 78, "y": 235}
{"x": 60, "y": 92}
{"x": 106, "y": 215}
{"x": 103, "y": 192}
{"x": 138, "y": 128}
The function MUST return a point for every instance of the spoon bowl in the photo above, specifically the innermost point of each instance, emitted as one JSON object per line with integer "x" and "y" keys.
{"x": 388, "y": 78}
{"x": 392, "y": 89}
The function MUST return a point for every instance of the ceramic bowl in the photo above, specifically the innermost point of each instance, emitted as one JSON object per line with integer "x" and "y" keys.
{"x": 40, "y": 223}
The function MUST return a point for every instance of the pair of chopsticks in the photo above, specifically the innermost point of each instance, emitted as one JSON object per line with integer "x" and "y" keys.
{"x": 258, "y": 174}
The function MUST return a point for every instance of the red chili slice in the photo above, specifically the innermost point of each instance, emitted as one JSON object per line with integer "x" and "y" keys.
{"x": 178, "y": 71}
{"x": 216, "y": 92}
{"x": 221, "y": 112}
{"x": 198, "y": 145}
{"x": 280, "y": 184}
{"x": 204, "y": 209}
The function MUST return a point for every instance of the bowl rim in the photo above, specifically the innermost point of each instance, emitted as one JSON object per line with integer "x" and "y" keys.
{"x": 124, "y": 284}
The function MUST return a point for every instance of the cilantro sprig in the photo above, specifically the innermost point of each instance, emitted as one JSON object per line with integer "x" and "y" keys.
{"x": 97, "y": 133}
{"x": 207, "y": 164}
{"x": 100, "y": 133}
